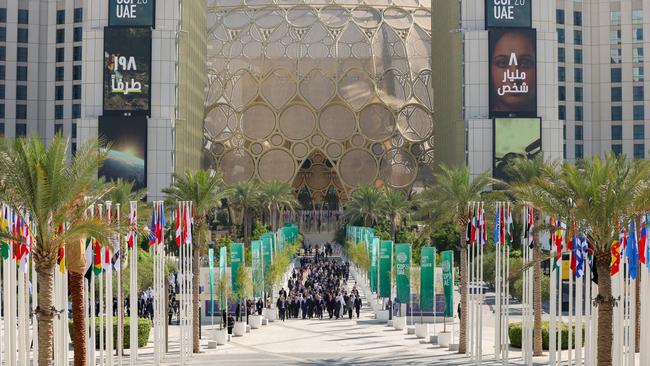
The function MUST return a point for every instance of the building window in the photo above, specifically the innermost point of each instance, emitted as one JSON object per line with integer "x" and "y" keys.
{"x": 73, "y": 132}
{"x": 637, "y": 35}
{"x": 77, "y": 34}
{"x": 2, "y": 111}
{"x": 58, "y": 128}
{"x": 577, "y": 92}
{"x": 561, "y": 112}
{"x": 578, "y": 113}
{"x": 560, "y": 35}
{"x": 2, "y": 72}
{"x": 60, "y": 54}
{"x": 615, "y": 36}
{"x": 76, "y": 53}
{"x": 21, "y": 73}
{"x": 561, "y": 73}
{"x": 577, "y": 37}
{"x": 564, "y": 151}
{"x": 639, "y": 151}
{"x": 21, "y": 111}
{"x": 58, "y": 92}
{"x": 3, "y": 53}
{"x": 76, "y": 111}
{"x": 579, "y": 152}
{"x": 639, "y": 132}
{"x": 2, "y": 91}
{"x": 561, "y": 55}
{"x": 22, "y": 35}
{"x": 577, "y": 75}
{"x": 76, "y": 72}
{"x": 564, "y": 131}
{"x": 577, "y": 18}
{"x": 638, "y": 93}
{"x": 637, "y": 16}
{"x": 76, "y": 91}
{"x": 577, "y": 56}
{"x": 617, "y": 94}
{"x": 616, "y": 55}
{"x": 23, "y": 16}
{"x": 21, "y": 92}
{"x": 60, "y": 35}
{"x": 3, "y": 15}
{"x": 73, "y": 148}
{"x": 3, "y": 34}
{"x": 559, "y": 16}
{"x": 2, "y": 129}
{"x": 78, "y": 15}
{"x": 638, "y": 112}
{"x": 60, "y": 17}
{"x": 58, "y": 111}
{"x": 615, "y": 17}
{"x": 578, "y": 133}
{"x": 561, "y": 92}
{"x": 617, "y": 132}
{"x": 637, "y": 54}
{"x": 637, "y": 73}
{"x": 60, "y": 73}
{"x": 21, "y": 130}
{"x": 617, "y": 113}
{"x": 21, "y": 54}
{"x": 617, "y": 149}
{"x": 616, "y": 75}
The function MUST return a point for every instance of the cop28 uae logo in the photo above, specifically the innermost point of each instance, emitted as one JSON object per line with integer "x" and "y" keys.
{"x": 446, "y": 266}
{"x": 401, "y": 257}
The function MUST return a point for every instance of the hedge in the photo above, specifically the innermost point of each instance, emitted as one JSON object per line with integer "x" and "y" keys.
{"x": 144, "y": 328}
{"x": 514, "y": 332}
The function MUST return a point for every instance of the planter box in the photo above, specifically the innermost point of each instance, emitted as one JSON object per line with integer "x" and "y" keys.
{"x": 239, "y": 329}
{"x": 271, "y": 314}
{"x": 421, "y": 330}
{"x": 444, "y": 339}
{"x": 382, "y": 315}
{"x": 221, "y": 336}
{"x": 399, "y": 322}
{"x": 255, "y": 321}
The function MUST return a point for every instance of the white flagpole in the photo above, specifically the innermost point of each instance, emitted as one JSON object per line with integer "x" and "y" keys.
{"x": 102, "y": 314}
{"x": 133, "y": 302}
{"x": 497, "y": 297}
{"x": 109, "y": 293}
{"x": 481, "y": 284}
{"x": 552, "y": 351}
{"x": 579, "y": 312}
{"x": 120, "y": 300}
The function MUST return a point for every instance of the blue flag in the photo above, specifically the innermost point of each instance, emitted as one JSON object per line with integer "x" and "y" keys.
{"x": 497, "y": 225}
{"x": 632, "y": 251}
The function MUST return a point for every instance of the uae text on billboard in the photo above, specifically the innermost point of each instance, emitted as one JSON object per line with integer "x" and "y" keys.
{"x": 513, "y": 72}
{"x": 126, "y": 141}
{"x": 131, "y": 13}
{"x": 127, "y": 70}
{"x": 507, "y": 13}
{"x": 515, "y": 138}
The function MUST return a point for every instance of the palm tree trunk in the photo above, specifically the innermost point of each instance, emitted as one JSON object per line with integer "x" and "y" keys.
{"x": 45, "y": 316}
{"x": 76, "y": 284}
{"x": 462, "y": 338}
{"x": 247, "y": 227}
{"x": 196, "y": 324}
{"x": 393, "y": 228}
{"x": 537, "y": 301}
{"x": 605, "y": 308}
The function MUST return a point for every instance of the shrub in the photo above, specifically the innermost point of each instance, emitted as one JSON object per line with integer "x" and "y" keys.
{"x": 515, "y": 330}
{"x": 144, "y": 328}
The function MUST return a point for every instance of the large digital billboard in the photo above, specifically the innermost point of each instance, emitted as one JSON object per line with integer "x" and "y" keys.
{"x": 127, "y": 70}
{"x": 515, "y": 138}
{"x": 127, "y": 158}
{"x": 513, "y": 72}
{"x": 131, "y": 13}
{"x": 507, "y": 13}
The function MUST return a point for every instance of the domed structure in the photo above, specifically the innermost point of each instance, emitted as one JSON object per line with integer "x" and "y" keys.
{"x": 337, "y": 89}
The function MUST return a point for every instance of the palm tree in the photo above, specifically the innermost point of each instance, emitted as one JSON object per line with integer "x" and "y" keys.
{"x": 245, "y": 197}
{"x": 601, "y": 194}
{"x": 366, "y": 204}
{"x": 54, "y": 189}
{"x": 448, "y": 200}
{"x": 395, "y": 205}
{"x": 277, "y": 196}
{"x": 204, "y": 189}
{"x": 523, "y": 172}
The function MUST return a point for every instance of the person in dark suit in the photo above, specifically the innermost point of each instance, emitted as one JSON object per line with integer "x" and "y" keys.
{"x": 260, "y": 306}
{"x": 357, "y": 305}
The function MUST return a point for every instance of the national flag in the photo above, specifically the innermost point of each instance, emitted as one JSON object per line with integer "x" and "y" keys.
{"x": 133, "y": 220}
{"x": 179, "y": 231}
{"x": 160, "y": 232}
{"x": 152, "y": 228}
{"x": 60, "y": 259}
{"x": 107, "y": 260}
{"x": 89, "y": 258}
{"x": 116, "y": 261}
{"x": 5, "y": 249}
{"x": 531, "y": 227}
{"x": 642, "y": 240}
{"x": 631, "y": 251}
{"x": 482, "y": 225}
{"x": 188, "y": 227}
{"x": 572, "y": 246}
{"x": 557, "y": 240}
{"x": 616, "y": 257}
{"x": 580, "y": 251}
{"x": 97, "y": 257}
{"x": 511, "y": 228}
{"x": 497, "y": 225}
{"x": 469, "y": 234}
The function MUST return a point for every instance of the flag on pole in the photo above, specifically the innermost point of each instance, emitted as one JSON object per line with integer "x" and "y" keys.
{"x": 616, "y": 257}
{"x": 557, "y": 240}
{"x": 5, "y": 249}
{"x": 116, "y": 261}
{"x": 107, "y": 260}
{"x": 89, "y": 257}
{"x": 482, "y": 225}
{"x": 469, "y": 233}
{"x": 97, "y": 257}
{"x": 60, "y": 259}
{"x": 160, "y": 225}
{"x": 631, "y": 251}
{"x": 642, "y": 240}
{"x": 511, "y": 227}
{"x": 188, "y": 227}
{"x": 152, "y": 228}
{"x": 133, "y": 220}
{"x": 580, "y": 250}
{"x": 497, "y": 225}
{"x": 179, "y": 230}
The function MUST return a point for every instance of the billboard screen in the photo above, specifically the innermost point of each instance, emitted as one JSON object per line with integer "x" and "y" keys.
{"x": 131, "y": 13}
{"x": 515, "y": 138}
{"x": 507, "y": 13}
{"x": 127, "y": 70}
{"x": 127, "y": 157}
{"x": 513, "y": 72}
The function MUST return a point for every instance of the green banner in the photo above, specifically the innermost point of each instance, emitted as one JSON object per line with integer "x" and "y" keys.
{"x": 427, "y": 270}
{"x": 258, "y": 269}
{"x": 374, "y": 263}
{"x": 211, "y": 266}
{"x": 236, "y": 261}
{"x": 403, "y": 272}
{"x": 448, "y": 281}
{"x": 385, "y": 268}
{"x": 267, "y": 252}
{"x": 223, "y": 268}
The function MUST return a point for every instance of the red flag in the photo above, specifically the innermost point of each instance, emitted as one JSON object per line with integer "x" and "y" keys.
{"x": 178, "y": 226}
{"x": 616, "y": 257}
{"x": 642, "y": 240}
{"x": 185, "y": 213}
